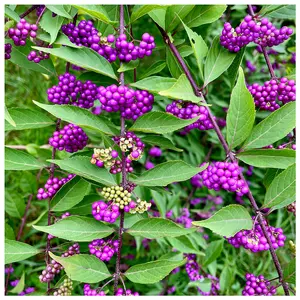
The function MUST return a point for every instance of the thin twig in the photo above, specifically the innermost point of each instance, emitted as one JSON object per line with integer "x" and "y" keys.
{"x": 28, "y": 11}
{"x": 40, "y": 16}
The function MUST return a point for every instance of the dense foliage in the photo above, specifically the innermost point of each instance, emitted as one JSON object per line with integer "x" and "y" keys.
{"x": 150, "y": 150}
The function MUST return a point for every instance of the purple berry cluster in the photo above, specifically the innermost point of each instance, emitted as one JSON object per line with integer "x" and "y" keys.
{"x": 250, "y": 66}
{"x": 258, "y": 286}
{"x": 105, "y": 212}
{"x": 127, "y": 51}
{"x": 121, "y": 292}
{"x": 187, "y": 110}
{"x": 254, "y": 239}
{"x": 224, "y": 175}
{"x": 71, "y": 139}
{"x": 9, "y": 270}
{"x": 265, "y": 96}
{"x": 117, "y": 166}
{"x": 184, "y": 218}
{"x": 87, "y": 291}
{"x": 20, "y": 33}
{"x": 38, "y": 56}
{"x": 102, "y": 249}
{"x": 196, "y": 181}
{"x": 14, "y": 282}
{"x": 155, "y": 152}
{"x": 39, "y": 9}
{"x": 52, "y": 186}
{"x": 27, "y": 291}
{"x": 8, "y": 49}
{"x": 72, "y": 91}
{"x": 260, "y": 31}
{"x": 131, "y": 104}
{"x": 292, "y": 208}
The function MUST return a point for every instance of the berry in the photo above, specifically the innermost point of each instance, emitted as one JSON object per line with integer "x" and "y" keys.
{"x": 8, "y": 49}
{"x": 149, "y": 165}
{"x": 38, "y": 56}
{"x": 71, "y": 139}
{"x": 90, "y": 292}
{"x": 65, "y": 288}
{"x": 250, "y": 66}
{"x": 155, "y": 152}
{"x": 257, "y": 286}
{"x": 139, "y": 207}
{"x": 20, "y": 33}
{"x": 9, "y": 270}
{"x": 105, "y": 212}
{"x": 104, "y": 157}
{"x": 196, "y": 181}
{"x": 104, "y": 250}
{"x": 117, "y": 166}
{"x": 121, "y": 292}
{"x": 292, "y": 208}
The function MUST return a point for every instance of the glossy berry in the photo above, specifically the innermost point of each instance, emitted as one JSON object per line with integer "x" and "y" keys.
{"x": 65, "y": 288}
{"x": 121, "y": 292}
{"x": 292, "y": 208}
{"x": 8, "y": 49}
{"x": 155, "y": 152}
{"x": 105, "y": 212}
{"x": 38, "y": 56}
{"x": 104, "y": 250}
{"x": 87, "y": 291}
{"x": 258, "y": 286}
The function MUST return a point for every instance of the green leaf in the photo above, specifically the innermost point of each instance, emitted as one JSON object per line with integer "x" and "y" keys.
{"x": 152, "y": 272}
{"x": 9, "y": 232}
{"x": 153, "y": 228}
{"x": 11, "y": 14}
{"x": 289, "y": 272}
{"x": 199, "y": 47}
{"x": 273, "y": 128}
{"x": 160, "y": 141}
{"x": 184, "y": 245}
{"x": 14, "y": 205}
{"x": 16, "y": 251}
{"x": 84, "y": 207}
{"x": 70, "y": 194}
{"x": 59, "y": 10}
{"x": 203, "y": 284}
{"x": 228, "y": 220}
{"x": 270, "y": 175}
{"x": 83, "y": 267}
{"x": 83, "y": 57}
{"x": 81, "y": 165}
{"x": 80, "y": 116}
{"x": 173, "y": 64}
{"x": 154, "y": 69}
{"x": 19, "y": 57}
{"x": 279, "y": 11}
{"x": 233, "y": 70}
{"x": 20, "y": 286}
{"x": 226, "y": 278}
{"x": 181, "y": 89}
{"x": 96, "y": 11}
{"x": 213, "y": 251}
{"x": 159, "y": 16}
{"x": 60, "y": 40}
{"x": 204, "y": 14}
{"x": 18, "y": 160}
{"x": 140, "y": 10}
{"x": 27, "y": 119}
{"x": 51, "y": 25}
{"x": 168, "y": 172}
{"x": 269, "y": 158}
{"x": 185, "y": 50}
{"x": 282, "y": 188}
{"x": 128, "y": 66}
{"x": 160, "y": 122}
{"x": 218, "y": 60}
{"x": 154, "y": 84}
{"x": 241, "y": 113}
{"x": 8, "y": 118}
{"x": 175, "y": 13}
{"x": 80, "y": 229}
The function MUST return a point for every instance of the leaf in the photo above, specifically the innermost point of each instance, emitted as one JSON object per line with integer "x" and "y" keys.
{"x": 20, "y": 286}
{"x": 152, "y": 272}
{"x": 160, "y": 141}
{"x": 140, "y": 10}
{"x": 18, "y": 160}
{"x": 51, "y": 25}
{"x": 8, "y": 118}
{"x": 279, "y": 11}
{"x": 204, "y": 14}
{"x": 273, "y": 128}
{"x": 16, "y": 251}
{"x": 80, "y": 229}
{"x": 9, "y": 232}
{"x": 59, "y": 10}
{"x": 81, "y": 165}
{"x": 283, "y": 187}
{"x": 181, "y": 89}
{"x": 173, "y": 64}
{"x": 83, "y": 267}
{"x": 185, "y": 50}
{"x": 218, "y": 60}
{"x": 168, "y": 172}
{"x": 27, "y": 119}
{"x": 213, "y": 251}
{"x": 70, "y": 194}
{"x": 81, "y": 117}
{"x": 154, "y": 84}
{"x": 228, "y": 220}
{"x": 84, "y": 207}
{"x": 241, "y": 113}
{"x": 289, "y": 272}
{"x": 184, "y": 245}
{"x": 60, "y": 40}
{"x": 159, "y": 16}
{"x": 226, "y": 278}
{"x": 19, "y": 57}
{"x": 269, "y": 158}
{"x": 128, "y": 66}
{"x": 160, "y": 122}
{"x": 96, "y": 11}
{"x": 153, "y": 228}
{"x": 203, "y": 284}
{"x": 270, "y": 175}
{"x": 83, "y": 57}
{"x": 11, "y": 14}
{"x": 14, "y": 205}
{"x": 174, "y": 15}
{"x": 233, "y": 70}
{"x": 154, "y": 69}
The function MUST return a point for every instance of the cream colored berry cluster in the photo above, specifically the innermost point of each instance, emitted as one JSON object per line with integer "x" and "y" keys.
{"x": 141, "y": 206}
{"x": 117, "y": 194}
{"x": 103, "y": 155}
{"x": 65, "y": 289}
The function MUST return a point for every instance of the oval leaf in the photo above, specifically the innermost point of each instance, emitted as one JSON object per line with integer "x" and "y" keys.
{"x": 213, "y": 251}
{"x": 16, "y": 251}
{"x": 184, "y": 245}
{"x": 161, "y": 142}
{"x": 154, "y": 84}
{"x": 141, "y": 10}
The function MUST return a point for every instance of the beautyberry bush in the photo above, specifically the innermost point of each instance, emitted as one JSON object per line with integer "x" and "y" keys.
{"x": 150, "y": 150}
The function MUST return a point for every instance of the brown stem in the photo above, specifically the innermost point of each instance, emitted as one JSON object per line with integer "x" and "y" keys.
{"x": 40, "y": 16}
{"x": 230, "y": 154}
{"x": 28, "y": 11}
